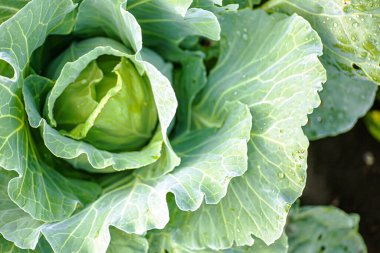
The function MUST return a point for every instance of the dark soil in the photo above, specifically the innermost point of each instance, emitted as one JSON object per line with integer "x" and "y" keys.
{"x": 344, "y": 171}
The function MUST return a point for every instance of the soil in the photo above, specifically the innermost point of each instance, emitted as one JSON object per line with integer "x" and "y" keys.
{"x": 344, "y": 171}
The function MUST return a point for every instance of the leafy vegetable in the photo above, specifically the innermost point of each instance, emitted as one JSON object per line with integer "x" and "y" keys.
{"x": 350, "y": 34}
{"x": 153, "y": 126}
{"x": 327, "y": 229}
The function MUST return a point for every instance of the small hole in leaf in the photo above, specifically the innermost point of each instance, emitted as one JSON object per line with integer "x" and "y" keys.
{"x": 355, "y": 66}
{"x": 6, "y": 69}
{"x": 323, "y": 248}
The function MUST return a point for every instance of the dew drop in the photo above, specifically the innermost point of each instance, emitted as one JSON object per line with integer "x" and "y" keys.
{"x": 281, "y": 175}
{"x": 335, "y": 25}
{"x": 245, "y": 36}
{"x": 355, "y": 24}
{"x": 319, "y": 119}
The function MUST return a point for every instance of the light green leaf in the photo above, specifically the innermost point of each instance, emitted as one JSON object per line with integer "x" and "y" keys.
{"x": 350, "y": 34}
{"x": 344, "y": 100}
{"x": 163, "y": 30}
{"x": 161, "y": 242}
{"x": 15, "y": 224}
{"x": 207, "y": 150}
{"x": 36, "y": 177}
{"x": 17, "y": 147}
{"x": 9, "y": 247}
{"x": 8, "y": 8}
{"x": 279, "y": 246}
{"x": 271, "y": 64}
{"x": 18, "y": 41}
{"x": 208, "y": 164}
{"x": 111, "y": 19}
{"x": 324, "y": 229}
{"x": 126, "y": 243}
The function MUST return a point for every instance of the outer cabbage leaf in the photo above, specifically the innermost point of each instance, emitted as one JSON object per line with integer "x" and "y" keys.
{"x": 271, "y": 64}
{"x": 8, "y": 8}
{"x": 327, "y": 229}
{"x": 18, "y": 41}
{"x": 349, "y": 31}
{"x": 163, "y": 30}
{"x": 344, "y": 100}
{"x": 111, "y": 19}
{"x": 15, "y": 224}
{"x": 126, "y": 243}
{"x": 9, "y": 247}
{"x": 140, "y": 204}
{"x": 350, "y": 34}
{"x": 17, "y": 150}
{"x": 161, "y": 242}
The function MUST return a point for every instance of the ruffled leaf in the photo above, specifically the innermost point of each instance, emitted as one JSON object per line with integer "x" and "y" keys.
{"x": 15, "y": 224}
{"x": 8, "y": 8}
{"x": 163, "y": 30}
{"x": 140, "y": 205}
{"x": 327, "y": 229}
{"x": 38, "y": 190}
{"x": 271, "y": 64}
{"x": 344, "y": 100}
{"x": 351, "y": 40}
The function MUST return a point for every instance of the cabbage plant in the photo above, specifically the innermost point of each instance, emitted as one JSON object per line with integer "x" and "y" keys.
{"x": 152, "y": 126}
